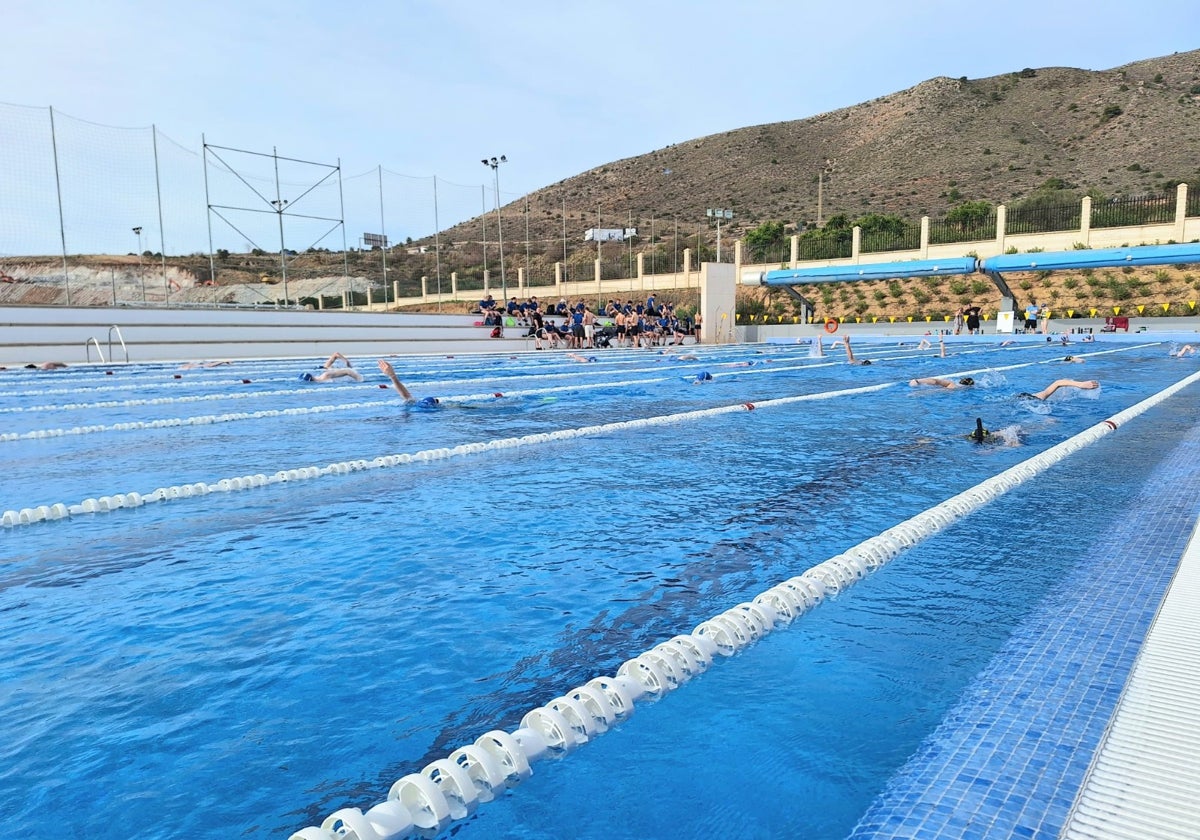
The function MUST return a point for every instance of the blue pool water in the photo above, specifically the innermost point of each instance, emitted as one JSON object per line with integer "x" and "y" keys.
{"x": 246, "y": 663}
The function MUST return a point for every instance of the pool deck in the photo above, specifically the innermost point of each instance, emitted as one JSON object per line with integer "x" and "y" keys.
{"x": 1067, "y": 732}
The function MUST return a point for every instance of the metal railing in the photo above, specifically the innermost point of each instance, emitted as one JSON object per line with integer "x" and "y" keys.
{"x": 1043, "y": 218}
{"x": 943, "y": 232}
{"x": 87, "y": 348}
{"x": 120, "y": 338}
{"x": 1134, "y": 211}
{"x": 880, "y": 241}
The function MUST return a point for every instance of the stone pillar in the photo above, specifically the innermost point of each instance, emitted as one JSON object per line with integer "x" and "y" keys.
{"x": 320, "y": 301}
{"x": 597, "y": 275}
{"x": 521, "y": 281}
{"x": 855, "y": 243}
{"x": 487, "y": 281}
{"x": 369, "y": 301}
{"x": 718, "y": 298}
{"x": 558, "y": 278}
{"x": 454, "y": 285}
{"x": 737, "y": 260}
{"x": 1001, "y": 227}
{"x": 1180, "y": 211}
{"x": 1085, "y": 220}
{"x": 424, "y": 288}
{"x": 687, "y": 261}
{"x": 395, "y": 290}
{"x": 924, "y": 237}
{"x": 794, "y": 256}
{"x": 641, "y": 271}
{"x": 345, "y": 299}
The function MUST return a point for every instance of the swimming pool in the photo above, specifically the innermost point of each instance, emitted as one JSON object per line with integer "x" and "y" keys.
{"x": 250, "y": 661}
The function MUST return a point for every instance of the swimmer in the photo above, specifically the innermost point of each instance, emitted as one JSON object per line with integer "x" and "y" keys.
{"x": 1085, "y": 385}
{"x": 1185, "y": 350}
{"x": 193, "y": 365}
{"x": 334, "y": 359}
{"x": 850, "y": 360}
{"x": 581, "y": 359}
{"x": 390, "y": 373}
{"x": 965, "y": 382}
{"x": 980, "y": 434}
{"x": 332, "y": 374}
{"x": 47, "y": 366}
{"x": 702, "y": 377}
{"x": 688, "y": 357}
{"x": 925, "y": 345}
{"x": 1074, "y": 360}
{"x": 1007, "y": 436}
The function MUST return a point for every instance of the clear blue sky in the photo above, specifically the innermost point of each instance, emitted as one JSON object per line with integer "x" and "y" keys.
{"x": 429, "y": 88}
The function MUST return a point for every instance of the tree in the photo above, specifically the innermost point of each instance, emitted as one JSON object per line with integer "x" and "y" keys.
{"x": 764, "y": 241}
{"x": 969, "y": 214}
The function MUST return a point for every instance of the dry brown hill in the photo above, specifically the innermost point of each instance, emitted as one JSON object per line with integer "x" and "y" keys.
{"x": 1130, "y": 130}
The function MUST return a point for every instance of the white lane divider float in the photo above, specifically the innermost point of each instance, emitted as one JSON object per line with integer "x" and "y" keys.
{"x": 104, "y": 504}
{"x": 451, "y": 789}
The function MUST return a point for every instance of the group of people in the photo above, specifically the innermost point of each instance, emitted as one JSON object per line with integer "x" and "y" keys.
{"x": 628, "y": 324}
{"x": 967, "y": 381}
{"x": 968, "y": 317}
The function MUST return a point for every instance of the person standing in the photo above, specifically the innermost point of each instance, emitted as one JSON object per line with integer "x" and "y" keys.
{"x": 972, "y": 313}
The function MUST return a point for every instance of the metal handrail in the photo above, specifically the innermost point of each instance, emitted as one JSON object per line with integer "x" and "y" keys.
{"x": 120, "y": 338}
{"x": 87, "y": 346}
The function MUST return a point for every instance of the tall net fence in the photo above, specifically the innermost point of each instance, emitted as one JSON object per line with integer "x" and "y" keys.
{"x": 107, "y": 215}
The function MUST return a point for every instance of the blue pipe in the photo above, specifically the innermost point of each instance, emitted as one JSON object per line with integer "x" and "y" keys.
{"x": 873, "y": 271}
{"x": 1100, "y": 258}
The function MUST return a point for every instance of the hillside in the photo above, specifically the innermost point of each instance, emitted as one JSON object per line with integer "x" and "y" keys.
{"x": 1131, "y": 130}
{"x": 1126, "y": 131}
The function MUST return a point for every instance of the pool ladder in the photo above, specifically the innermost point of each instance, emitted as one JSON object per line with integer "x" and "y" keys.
{"x": 87, "y": 345}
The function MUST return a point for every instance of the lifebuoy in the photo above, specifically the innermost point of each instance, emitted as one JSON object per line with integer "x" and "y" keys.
{"x": 831, "y": 325}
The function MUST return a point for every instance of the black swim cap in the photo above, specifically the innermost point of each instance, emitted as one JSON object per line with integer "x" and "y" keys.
{"x": 966, "y": 380}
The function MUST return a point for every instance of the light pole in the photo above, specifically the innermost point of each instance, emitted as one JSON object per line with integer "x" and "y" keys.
{"x": 280, "y": 205}
{"x": 141, "y": 268}
{"x": 494, "y": 163}
{"x": 719, "y": 215}
{"x": 827, "y": 168}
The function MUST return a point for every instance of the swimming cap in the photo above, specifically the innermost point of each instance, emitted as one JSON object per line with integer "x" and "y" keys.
{"x": 704, "y": 376}
{"x": 966, "y": 380}
{"x": 307, "y": 377}
{"x": 428, "y": 401}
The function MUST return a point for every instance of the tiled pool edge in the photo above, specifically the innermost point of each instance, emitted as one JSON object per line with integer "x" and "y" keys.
{"x": 1008, "y": 760}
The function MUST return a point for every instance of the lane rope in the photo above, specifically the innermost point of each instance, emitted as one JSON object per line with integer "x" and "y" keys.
{"x": 451, "y": 789}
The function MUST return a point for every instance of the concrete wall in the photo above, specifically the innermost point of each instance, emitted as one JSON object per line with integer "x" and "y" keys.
{"x": 77, "y": 334}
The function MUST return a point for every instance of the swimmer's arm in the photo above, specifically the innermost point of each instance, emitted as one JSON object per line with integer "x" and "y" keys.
{"x": 390, "y": 373}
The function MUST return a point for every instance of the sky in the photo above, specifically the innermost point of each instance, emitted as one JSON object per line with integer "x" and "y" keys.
{"x": 399, "y": 92}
